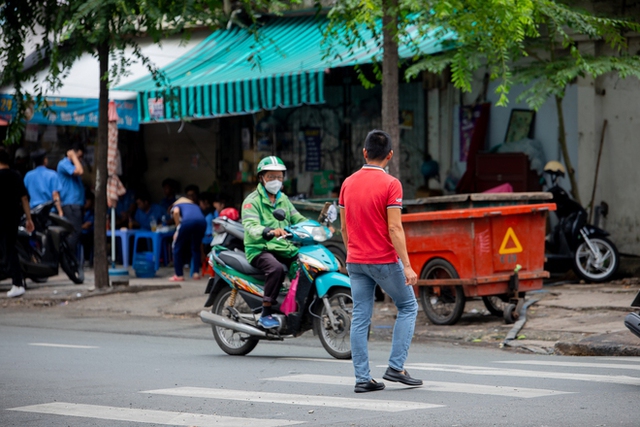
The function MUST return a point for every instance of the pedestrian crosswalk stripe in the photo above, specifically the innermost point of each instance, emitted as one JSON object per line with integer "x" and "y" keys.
{"x": 481, "y": 370}
{"x": 44, "y": 344}
{"x": 307, "y": 359}
{"x": 572, "y": 364}
{"x": 149, "y": 416}
{"x": 635, "y": 359}
{"x": 521, "y": 392}
{"x": 316, "y": 401}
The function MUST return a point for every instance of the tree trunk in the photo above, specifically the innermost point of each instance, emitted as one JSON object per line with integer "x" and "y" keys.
{"x": 100, "y": 264}
{"x": 390, "y": 108}
{"x": 562, "y": 140}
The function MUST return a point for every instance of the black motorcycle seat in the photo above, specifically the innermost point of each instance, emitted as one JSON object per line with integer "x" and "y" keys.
{"x": 238, "y": 261}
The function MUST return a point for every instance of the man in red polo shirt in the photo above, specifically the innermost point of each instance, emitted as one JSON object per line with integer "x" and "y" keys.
{"x": 370, "y": 212}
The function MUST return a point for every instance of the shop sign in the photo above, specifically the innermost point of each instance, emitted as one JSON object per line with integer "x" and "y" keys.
{"x": 72, "y": 112}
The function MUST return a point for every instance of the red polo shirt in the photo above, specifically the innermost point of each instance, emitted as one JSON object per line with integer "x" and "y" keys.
{"x": 365, "y": 197}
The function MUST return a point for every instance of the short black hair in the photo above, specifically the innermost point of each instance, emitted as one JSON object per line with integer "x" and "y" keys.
{"x": 208, "y": 197}
{"x": 171, "y": 183}
{"x": 143, "y": 195}
{"x": 78, "y": 146}
{"x": 5, "y": 158}
{"x": 222, "y": 197}
{"x": 377, "y": 144}
{"x": 192, "y": 187}
{"x": 38, "y": 156}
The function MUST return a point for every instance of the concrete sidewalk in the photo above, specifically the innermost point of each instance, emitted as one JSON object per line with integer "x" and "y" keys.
{"x": 568, "y": 319}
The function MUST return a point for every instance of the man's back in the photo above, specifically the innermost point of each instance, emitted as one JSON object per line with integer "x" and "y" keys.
{"x": 71, "y": 188}
{"x": 365, "y": 196}
{"x": 41, "y": 182}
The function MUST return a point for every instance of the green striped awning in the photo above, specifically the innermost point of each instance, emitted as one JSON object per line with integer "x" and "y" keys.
{"x": 236, "y": 72}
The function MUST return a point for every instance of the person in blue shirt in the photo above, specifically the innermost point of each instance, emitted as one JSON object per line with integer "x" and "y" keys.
{"x": 126, "y": 207}
{"x": 189, "y": 232}
{"x": 210, "y": 213}
{"x": 70, "y": 173}
{"x": 42, "y": 183}
{"x": 147, "y": 213}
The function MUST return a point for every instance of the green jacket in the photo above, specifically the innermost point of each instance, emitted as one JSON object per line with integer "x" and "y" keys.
{"x": 257, "y": 213}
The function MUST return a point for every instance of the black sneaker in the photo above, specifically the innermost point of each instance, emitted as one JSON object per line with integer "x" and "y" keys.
{"x": 372, "y": 385}
{"x": 400, "y": 377}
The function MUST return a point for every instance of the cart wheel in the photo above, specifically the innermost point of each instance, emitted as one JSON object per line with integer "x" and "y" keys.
{"x": 495, "y": 304}
{"x": 443, "y": 305}
{"x": 510, "y": 314}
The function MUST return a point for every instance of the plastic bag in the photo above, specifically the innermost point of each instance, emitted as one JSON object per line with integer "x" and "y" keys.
{"x": 289, "y": 304}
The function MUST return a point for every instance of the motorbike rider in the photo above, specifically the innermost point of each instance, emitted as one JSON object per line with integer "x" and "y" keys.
{"x": 264, "y": 248}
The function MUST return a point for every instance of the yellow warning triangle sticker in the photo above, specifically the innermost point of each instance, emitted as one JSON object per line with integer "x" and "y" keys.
{"x": 515, "y": 248}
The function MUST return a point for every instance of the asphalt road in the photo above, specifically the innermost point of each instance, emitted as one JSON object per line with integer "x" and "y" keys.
{"x": 127, "y": 371}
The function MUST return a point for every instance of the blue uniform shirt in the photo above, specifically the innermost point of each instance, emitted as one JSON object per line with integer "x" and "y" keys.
{"x": 89, "y": 216}
{"x": 144, "y": 218}
{"x": 189, "y": 212}
{"x": 208, "y": 234}
{"x": 41, "y": 183}
{"x": 71, "y": 188}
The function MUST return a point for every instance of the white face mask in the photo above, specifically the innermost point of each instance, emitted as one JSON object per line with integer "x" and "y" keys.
{"x": 273, "y": 186}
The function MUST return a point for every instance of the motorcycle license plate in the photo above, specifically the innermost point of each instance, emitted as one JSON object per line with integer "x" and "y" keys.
{"x": 218, "y": 239}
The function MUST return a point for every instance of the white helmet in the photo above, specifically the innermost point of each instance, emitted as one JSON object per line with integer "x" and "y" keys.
{"x": 21, "y": 153}
{"x": 554, "y": 167}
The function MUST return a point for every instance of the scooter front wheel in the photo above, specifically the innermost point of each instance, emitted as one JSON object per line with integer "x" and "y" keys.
{"x": 336, "y": 339}
{"x": 599, "y": 265}
{"x": 230, "y": 341}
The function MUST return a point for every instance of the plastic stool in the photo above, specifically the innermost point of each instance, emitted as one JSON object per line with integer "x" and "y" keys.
{"x": 124, "y": 236}
{"x": 156, "y": 242}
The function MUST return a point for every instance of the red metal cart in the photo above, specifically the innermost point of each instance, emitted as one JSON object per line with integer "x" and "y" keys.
{"x": 494, "y": 252}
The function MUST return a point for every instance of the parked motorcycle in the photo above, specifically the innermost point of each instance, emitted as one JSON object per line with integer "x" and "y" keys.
{"x": 42, "y": 251}
{"x": 632, "y": 320}
{"x": 573, "y": 243}
{"x": 323, "y": 295}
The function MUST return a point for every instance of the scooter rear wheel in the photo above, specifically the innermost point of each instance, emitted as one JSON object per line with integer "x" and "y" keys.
{"x": 589, "y": 267}
{"x": 230, "y": 341}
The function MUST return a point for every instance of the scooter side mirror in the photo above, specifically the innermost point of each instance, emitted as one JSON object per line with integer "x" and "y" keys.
{"x": 279, "y": 214}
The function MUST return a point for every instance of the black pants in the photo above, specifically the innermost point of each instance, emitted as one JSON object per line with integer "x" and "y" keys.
{"x": 74, "y": 214}
{"x": 271, "y": 265}
{"x": 8, "y": 254}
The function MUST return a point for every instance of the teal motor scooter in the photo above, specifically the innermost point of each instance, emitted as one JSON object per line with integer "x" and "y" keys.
{"x": 320, "y": 297}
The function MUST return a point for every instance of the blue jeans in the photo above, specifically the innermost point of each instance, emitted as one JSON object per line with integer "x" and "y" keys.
{"x": 392, "y": 280}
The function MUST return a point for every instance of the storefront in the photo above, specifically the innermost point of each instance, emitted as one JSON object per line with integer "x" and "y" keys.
{"x": 277, "y": 94}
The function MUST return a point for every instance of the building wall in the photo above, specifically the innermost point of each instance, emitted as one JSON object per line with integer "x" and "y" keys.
{"x": 618, "y": 102}
{"x": 545, "y": 126}
{"x": 586, "y": 105}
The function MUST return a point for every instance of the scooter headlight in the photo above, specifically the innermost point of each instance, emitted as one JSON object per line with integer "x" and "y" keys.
{"x": 319, "y": 234}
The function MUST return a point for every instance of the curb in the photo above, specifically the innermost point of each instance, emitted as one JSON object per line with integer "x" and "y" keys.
{"x": 590, "y": 349}
{"x": 56, "y": 296}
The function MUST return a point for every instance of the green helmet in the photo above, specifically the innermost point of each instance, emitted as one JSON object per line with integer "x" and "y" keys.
{"x": 271, "y": 163}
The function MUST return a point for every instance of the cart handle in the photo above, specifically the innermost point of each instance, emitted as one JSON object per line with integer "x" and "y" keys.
{"x": 540, "y": 209}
